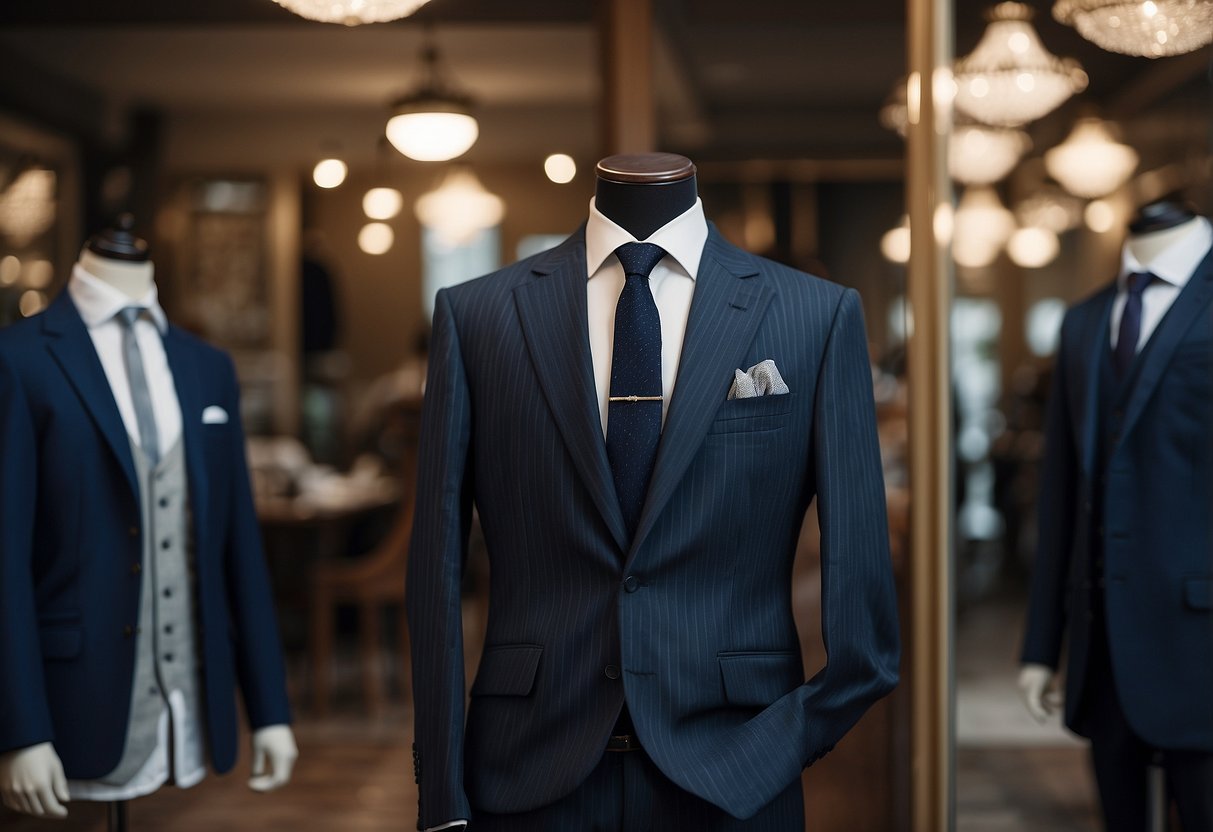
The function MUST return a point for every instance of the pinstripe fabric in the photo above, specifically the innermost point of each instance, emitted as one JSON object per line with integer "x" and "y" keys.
{"x": 704, "y": 633}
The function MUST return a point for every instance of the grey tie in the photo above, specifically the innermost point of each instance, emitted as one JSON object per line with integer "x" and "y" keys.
{"x": 141, "y": 395}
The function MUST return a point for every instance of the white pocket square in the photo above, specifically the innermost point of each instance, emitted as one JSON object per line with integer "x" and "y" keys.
{"x": 763, "y": 379}
{"x": 214, "y": 415}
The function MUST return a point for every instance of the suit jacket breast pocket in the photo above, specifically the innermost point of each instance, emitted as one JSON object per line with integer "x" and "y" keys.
{"x": 759, "y": 413}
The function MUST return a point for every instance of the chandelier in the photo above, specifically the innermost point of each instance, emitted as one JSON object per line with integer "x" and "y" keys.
{"x": 433, "y": 124}
{"x": 1090, "y": 163}
{"x": 1052, "y": 208}
{"x": 459, "y": 208}
{"x": 983, "y": 225}
{"x": 352, "y": 12}
{"x": 981, "y": 155}
{"x": 1152, "y": 29}
{"x": 1010, "y": 79}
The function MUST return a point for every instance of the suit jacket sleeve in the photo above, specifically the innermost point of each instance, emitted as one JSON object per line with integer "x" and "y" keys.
{"x": 24, "y": 717}
{"x": 436, "y": 560}
{"x": 1055, "y": 513}
{"x": 858, "y": 600}
{"x": 259, "y": 662}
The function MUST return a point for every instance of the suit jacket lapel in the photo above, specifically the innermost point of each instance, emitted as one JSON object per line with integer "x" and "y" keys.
{"x": 725, "y": 312}
{"x": 1094, "y": 339}
{"x": 553, "y": 311}
{"x": 182, "y": 362}
{"x": 73, "y": 350}
{"x": 1192, "y": 300}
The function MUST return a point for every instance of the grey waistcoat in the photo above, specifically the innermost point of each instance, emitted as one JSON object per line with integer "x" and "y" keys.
{"x": 166, "y": 658}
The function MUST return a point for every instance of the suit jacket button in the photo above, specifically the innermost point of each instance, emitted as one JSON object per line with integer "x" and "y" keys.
{"x": 128, "y": 631}
{"x": 136, "y": 568}
{"x": 133, "y": 531}
{"x": 631, "y": 583}
{"x": 611, "y": 671}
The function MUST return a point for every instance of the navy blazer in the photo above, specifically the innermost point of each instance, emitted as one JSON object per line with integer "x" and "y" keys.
{"x": 1157, "y": 533}
{"x": 691, "y": 620}
{"x": 70, "y": 537}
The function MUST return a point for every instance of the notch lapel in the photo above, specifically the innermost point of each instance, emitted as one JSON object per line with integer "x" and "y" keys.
{"x": 553, "y": 311}
{"x": 182, "y": 361}
{"x": 1154, "y": 358}
{"x": 73, "y": 351}
{"x": 726, "y": 310}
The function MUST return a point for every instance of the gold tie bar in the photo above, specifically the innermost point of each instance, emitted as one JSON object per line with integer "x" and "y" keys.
{"x": 634, "y": 398}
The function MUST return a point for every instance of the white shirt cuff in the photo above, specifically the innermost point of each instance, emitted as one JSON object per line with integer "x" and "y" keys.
{"x": 450, "y": 825}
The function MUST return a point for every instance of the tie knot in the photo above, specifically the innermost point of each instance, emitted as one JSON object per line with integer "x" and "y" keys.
{"x": 1138, "y": 281}
{"x": 639, "y": 258}
{"x": 129, "y": 315}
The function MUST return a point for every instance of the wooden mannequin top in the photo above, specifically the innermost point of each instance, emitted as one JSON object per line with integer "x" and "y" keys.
{"x": 119, "y": 258}
{"x": 642, "y": 192}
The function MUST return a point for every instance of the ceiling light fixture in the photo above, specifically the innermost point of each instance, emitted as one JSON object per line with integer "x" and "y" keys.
{"x": 434, "y": 123}
{"x": 1010, "y": 78}
{"x": 352, "y": 12}
{"x": 459, "y": 208}
{"x": 329, "y": 173}
{"x": 981, "y": 155}
{"x": 382, "y": 203}
{"x": 1150, "y": 29}
{"x": 1090, "y": 163}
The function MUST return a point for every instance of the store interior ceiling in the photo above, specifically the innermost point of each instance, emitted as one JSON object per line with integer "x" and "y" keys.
{"x": 756, "y": 80}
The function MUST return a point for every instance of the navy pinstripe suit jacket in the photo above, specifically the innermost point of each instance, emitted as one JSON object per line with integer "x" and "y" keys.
{"x": 691, "y": 620}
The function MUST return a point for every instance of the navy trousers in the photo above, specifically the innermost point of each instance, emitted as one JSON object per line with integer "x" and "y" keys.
{"x": 626, "y": 792}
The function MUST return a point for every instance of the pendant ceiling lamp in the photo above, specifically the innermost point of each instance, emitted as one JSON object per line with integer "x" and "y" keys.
{"x": 980, "y": 155}
{"x": 1151, "y": 29}
{"x": 352, "y": 12}
{"x": 459, "y": 208}
{"x": 434, "y": 123}
{"x": 983, "y": 225}
{"x": 1010, "y": 79}
{"x": 27, "y": 205}
{"x": 1090, "y": 163}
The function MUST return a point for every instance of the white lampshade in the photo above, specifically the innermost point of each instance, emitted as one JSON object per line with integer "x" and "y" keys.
{"x": 1032, "y": 247}
{"x": 980, "y": 155}
{"x": 1100, "y": 216}
{"x": 1149, "y": 28}
{"x": 432, "y": 135}
{"x": 1090, "y": 163}
{"x": 459, "y": 208}
{"x": 895, "y": 243}
{"x": 382, "y": 203}
{"x": 352, "y": 12}
{"x": 329, "y": 173}
{"x": 1010, "y": 79}
{"x": 982, "y": 226}
{"x": 376, "y": 238}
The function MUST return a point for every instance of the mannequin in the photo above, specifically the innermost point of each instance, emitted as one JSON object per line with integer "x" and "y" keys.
{"x": 1122, "y": 565}
{"x": 657, "y": 685}
{"x": 33, "y": 779}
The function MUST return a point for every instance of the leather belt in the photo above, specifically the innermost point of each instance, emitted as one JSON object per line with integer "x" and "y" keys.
{"x": 623, "y": 742}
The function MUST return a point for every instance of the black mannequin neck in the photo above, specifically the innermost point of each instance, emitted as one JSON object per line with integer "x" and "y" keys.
{"x": 642, "y": 208}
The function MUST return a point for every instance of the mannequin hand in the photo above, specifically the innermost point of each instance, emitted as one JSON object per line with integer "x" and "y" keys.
{"x": 1039, "y": 696}
{"x": 32, "y": 781}
{"x": 277, "y": 743}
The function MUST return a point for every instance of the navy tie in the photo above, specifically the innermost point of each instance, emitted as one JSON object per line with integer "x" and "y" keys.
{"x": 634, "y": 404}
{"x": 1130, "y": 322}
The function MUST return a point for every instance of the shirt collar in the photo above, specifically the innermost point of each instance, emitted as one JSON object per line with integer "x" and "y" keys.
{"x": 1176, "y": 263}
{"x": 682, "y": 238}
{"x": 98, "y": 302}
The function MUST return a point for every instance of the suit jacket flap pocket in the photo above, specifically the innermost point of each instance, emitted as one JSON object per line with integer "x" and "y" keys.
{"x": 507, "y": 670}
{"x": 772, "y": 404}
{"x": 60, "y": 642}
{"x": 1198, "y": 593}
{"x": 758, "y": 679}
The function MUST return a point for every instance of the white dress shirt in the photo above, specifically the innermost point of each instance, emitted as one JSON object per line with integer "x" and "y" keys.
{"x": 98, "y": 303}
{"x": 672, "y": 283}
{"x": 1173, "y": 268}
